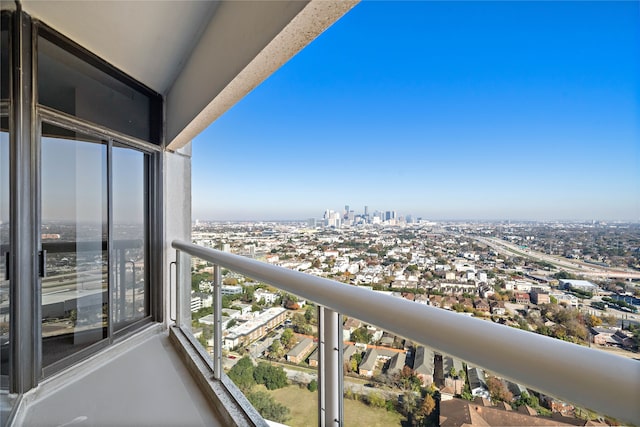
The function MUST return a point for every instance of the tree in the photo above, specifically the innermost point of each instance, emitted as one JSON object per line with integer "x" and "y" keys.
{"x": 453, "y": 373}
{"x": 409, "y": 403}
{"x": 526, "y": 399}
{"x": 310, "y": 314}
{"x": 230, "y": 281}
{"x": 276, "y": 351}
{"x": 498, "y": 391}
{"x": 593, "y": 321}
{"x": 361, "y": 335}
{"x": 268, "y": 407}
{"x": 242, "y": 374}
{"x": 427, "y": 407}
{"x": 288, "y": 339}
{"x": 272, "y": 377}
{"x": 248, "y": 293}
{"x": 313, "y": 386}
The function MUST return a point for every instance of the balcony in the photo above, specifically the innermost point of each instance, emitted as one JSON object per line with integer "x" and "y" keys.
{"x": 151, "y": 378}
{"x": 573, "y": 373}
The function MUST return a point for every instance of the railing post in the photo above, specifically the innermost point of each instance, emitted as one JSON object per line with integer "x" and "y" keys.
{"x": 330, "y": 372}
{"x": 178, "y": 287}
{"x": 217, "y": 323}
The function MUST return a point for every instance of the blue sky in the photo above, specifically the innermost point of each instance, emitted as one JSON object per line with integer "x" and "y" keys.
{"x": 444, "y": 110}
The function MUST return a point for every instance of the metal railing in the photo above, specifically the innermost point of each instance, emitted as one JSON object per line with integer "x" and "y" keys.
{"x": 591, "y": 378}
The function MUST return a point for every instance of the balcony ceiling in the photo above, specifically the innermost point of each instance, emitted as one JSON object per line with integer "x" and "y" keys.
{"x": 202, "y": 56}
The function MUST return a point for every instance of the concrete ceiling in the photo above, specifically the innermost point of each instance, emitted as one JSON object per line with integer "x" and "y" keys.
{"x": 149, "y": 40}
{"x": 203, "y": 56}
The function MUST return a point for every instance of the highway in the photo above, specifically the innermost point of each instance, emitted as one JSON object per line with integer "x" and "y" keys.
{"x": 571, "y": 266}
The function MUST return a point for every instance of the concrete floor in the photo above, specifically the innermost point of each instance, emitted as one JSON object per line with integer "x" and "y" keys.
{"x": 147, "y": 385}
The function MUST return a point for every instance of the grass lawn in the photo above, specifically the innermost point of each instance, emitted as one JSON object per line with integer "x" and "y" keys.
{"x": 304, "y": 409}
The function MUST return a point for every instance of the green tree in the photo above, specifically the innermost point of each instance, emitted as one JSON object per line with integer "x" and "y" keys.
{"x": 361, "y": 335}
{"x": 288, "y": 339}
{"x": 242, "y": 374}
{"x": 453, "y": 373}
{"x": 272, "y": 377}
{"x": 268, "y": 407}
{"x": 526, "y": 399}
{"x": 248, "y": 293}
{"x": 313, "y": 386}
{"x": 276, "y": 351}
{"x": 310, "y": 314}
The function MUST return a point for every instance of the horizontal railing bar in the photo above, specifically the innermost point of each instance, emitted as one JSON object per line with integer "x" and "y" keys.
{"x": 591, "y": 378}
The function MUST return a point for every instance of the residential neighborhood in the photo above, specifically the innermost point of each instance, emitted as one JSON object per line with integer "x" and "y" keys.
{"x": 459, "y": 267}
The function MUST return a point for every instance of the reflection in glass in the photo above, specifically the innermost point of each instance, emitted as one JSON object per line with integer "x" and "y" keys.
{"x": 129, "y": 236}
{"x": 74, "y": 234}
{"x": 71, "y": 85}
{"x": 5, "y": 398}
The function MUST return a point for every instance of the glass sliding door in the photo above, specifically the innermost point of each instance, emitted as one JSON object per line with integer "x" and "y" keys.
{"x": 74, "y": 227}
{"x": 130, "y": 212}
{"x": 5, "y": 302}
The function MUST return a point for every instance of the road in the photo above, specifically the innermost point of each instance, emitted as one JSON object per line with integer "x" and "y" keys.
{"x": 574, "y": 266}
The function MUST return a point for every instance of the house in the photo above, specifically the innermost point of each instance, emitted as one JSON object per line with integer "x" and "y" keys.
{"x": 516, "y": 389}
{"x": 540, "y": 297}
{"x": 455, "y": 383}
{"x": 298, "y": 353}
{"x": 313, "y": 359}
{"x": 603, "y": 336}
{"x": 368, "y": 364}
{"x": 423, "y": 365}
{"x": 497, "y": 308}
{"x": 265, "y": 296}
{"x": 477, "y": 382}
{"x": 522, "y": 298}
{"x": 436, "y": 301}
{"x": 349, "y": 326}
{"x": 349, "y": 351}
{"x": 459, "y": 413}
{"x": 482, "y": 305}
{"x": 397, "y": 362}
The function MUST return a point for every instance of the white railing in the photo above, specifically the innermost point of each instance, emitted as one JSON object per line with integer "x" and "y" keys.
{"x": 590, "y": 378}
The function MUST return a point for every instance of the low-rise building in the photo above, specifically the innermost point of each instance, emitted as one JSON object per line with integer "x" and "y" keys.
{"x": 539, "y": 297}
{"x": 299, "y": 352}
{"x": 246, "y": 332}
{"x": 423, "y": 365}
{"x": 368, "y": 365}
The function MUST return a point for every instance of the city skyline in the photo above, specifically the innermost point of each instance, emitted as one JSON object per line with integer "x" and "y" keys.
{"x": 480, "y": 111}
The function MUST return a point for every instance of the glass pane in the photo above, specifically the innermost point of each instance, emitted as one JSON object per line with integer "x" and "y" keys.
{"x": 4, "y": 57}
{"x": 129, "y": 235}
{"x": 5, "y": 398}
{"x": 71, "y": 85}
{"x": 74, "y": 234}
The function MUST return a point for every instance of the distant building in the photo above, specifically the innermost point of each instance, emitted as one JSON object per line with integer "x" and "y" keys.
{"x": 423, "y": 365}
{"x": 368, "y": 364}
{"x": 313, "y": 359}
{"x": 299, "y": 352}
{"x": 230, "y": 289}
{"x": 522, "y": 298}
{"x": 477, "y": 382}
{"x": 583, "y": 285}
{"x": 538, "y": 297}
{"x": 396, "y": 364}
{"x": 245, "y": 333}
{"x": 266, "y": 296}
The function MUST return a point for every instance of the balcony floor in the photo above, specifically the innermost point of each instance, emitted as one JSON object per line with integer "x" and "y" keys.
{"x": 146, "y": 385}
